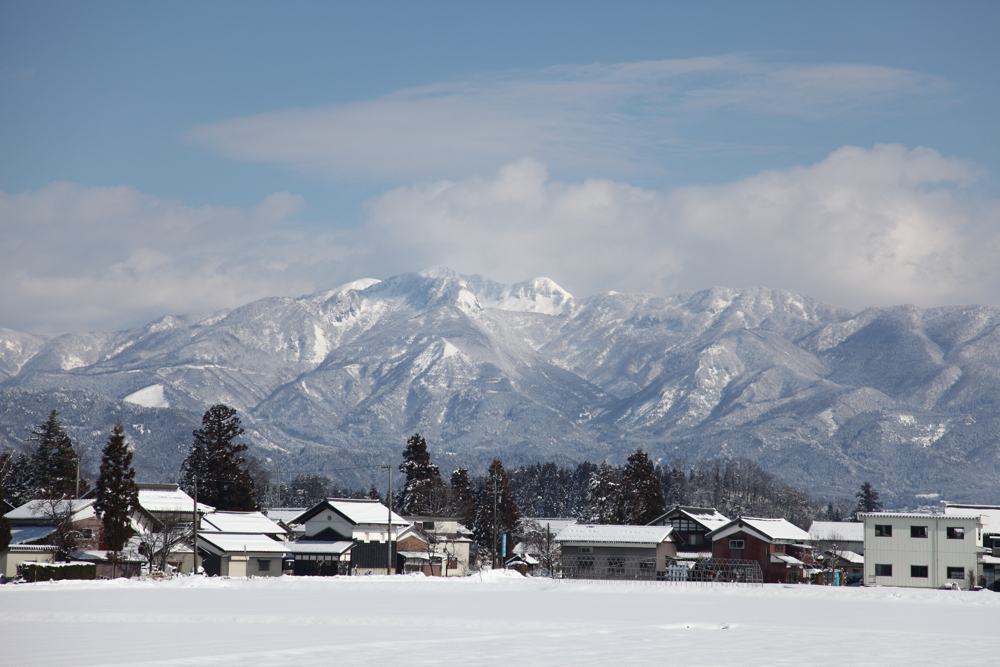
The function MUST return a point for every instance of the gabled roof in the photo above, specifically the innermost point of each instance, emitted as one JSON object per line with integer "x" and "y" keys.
{"x": 37, "y": 511}
{"x": 29, "y": 534}
{"x": 286, "y": 515}
{"x": 239, "y": 522}
{"x": 709, "y": 517}
{"x": 167, "y": 498}
{"x": 355, "y": 511}
{"x": 309, "y": 547}
{"x": 847, "y": 531}
{"x": 237, "y": 543}
{"x": 591, "y": 534}
{"x": 772, "y": 530}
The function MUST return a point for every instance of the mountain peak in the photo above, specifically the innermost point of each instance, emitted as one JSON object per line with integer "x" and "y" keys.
{"x": 535, "y": 295}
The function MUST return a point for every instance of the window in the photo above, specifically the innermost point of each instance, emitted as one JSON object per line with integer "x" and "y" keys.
{"x": 956, "y": 573}
{"x": 883, "y": 531}
{"x": 736, "y": 544}
{"x": 918, "y": 571}
{"x": 88, "y": 533}
{"x": 694, "y": 539}
{"x": 263, "y": 565}
{"x": 883, "y": 570}
{"x": 918, "y": 531}
{"x": 428, "y": 525}
{"x": 956, "y": 533}
{"x": 586, "y": 550}
{"x": 779, "y": 548}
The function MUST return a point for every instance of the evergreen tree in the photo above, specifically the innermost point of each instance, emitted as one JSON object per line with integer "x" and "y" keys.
{"x": 423, "y": 489}
{"x": 218, "y": 464}
{"x": 641, "y": 491}
{"x": 373, "y": 493}
{"x": 868, "y": 500}
{"x": 463, "y": 498}
{"x": 307, "y": 490}
{"x": 15, "y": 478}
{"x": 605, "y": 494}
{"x": 117, "y": 493}
{"x": 496, "y": 513}
{"x": 53, "y": 463}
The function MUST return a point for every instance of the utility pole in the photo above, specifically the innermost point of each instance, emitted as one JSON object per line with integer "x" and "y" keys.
{"x": 388, "y": 535}
{"x": 494, "y": 521}
{"x": 194, "y": 527}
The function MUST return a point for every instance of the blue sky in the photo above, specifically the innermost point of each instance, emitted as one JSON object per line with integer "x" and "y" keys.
{"x": 184, "y": 157}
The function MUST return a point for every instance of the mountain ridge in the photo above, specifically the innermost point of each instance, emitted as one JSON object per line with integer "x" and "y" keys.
{"x": 824, "y": 397}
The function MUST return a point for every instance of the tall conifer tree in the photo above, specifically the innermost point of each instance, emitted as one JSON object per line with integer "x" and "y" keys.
{"x": 216, "y": 460}
{"x": 497, "y": 513}
{"x": 53, "y": 463}
{"x": 117, "y": 493}
{"x": 642, "y": 492}
{"x": 424, "y": 487}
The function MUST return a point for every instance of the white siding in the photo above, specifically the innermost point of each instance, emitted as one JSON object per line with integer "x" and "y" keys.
{"x": 935, "y": 551}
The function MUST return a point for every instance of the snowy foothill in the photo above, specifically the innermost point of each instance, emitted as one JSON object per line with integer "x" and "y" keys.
{"x": 495, "y": 618}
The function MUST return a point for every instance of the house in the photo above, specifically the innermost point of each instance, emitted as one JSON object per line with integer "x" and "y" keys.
{"x": 368, "y": 527}
{"x": 241, "y": 544}
{"x": 781, "y": 549}
{"x": 444, "y": 540}
{"x": 691, "y": 525}
{"x": 922, "y": 550}
{"x": 840, "y": 545}
{"x": 990, "y": 561}
{"x": 36, "y": 529}
{"x": 434, "y": 542}
{"x": 163, "y": 523}
{"x": 285, "y": 517}
{"x": 616, "y": 552}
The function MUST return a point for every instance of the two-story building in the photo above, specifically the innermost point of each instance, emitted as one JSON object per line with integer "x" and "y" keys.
{"x": 691, "y": 525}
{"x": 921, "y": 550}
{"x": 435, "y": 545}
{"x": 342, "y": 531}
{"x": 781, "y": 548}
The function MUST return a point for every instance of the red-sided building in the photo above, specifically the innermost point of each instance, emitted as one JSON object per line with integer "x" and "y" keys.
{"x": 781, "y": 549}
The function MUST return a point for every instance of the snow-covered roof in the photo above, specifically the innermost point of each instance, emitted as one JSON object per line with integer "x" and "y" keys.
{"x": 317, "y": 547}
{"x": 592, "y": 534}
{"x": 706, "y": 516}
{"x": 39, "y": 510}
{"x": 357, "y": 511}
{"x": 555, "y": 524}
{"x": 162, "y": 500}
{"x": 28, "y": 534}
{"x": 992, "y": 512}
{"x": 284, "y": 514}
{"x": 239, "y": 522}
{"x": 784, "y": 558}
{"x": 917, "y": 515}
{"x": 234, "y": 542}
{"x": 851, "y": 557}
{"x": 848, "y": 531}
{"x": 777, "y": 530}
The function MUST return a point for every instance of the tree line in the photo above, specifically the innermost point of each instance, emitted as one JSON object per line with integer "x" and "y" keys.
{"x": 219, "y": 470}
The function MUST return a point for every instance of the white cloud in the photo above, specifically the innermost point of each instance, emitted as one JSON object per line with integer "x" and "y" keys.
{"x": 105, "y": 258}
{"x": 862, "y": 227}
{"x": 607, "y": 119}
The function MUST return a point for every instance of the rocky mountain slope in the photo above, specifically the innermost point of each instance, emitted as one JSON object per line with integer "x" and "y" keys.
{"x": 826, "y": 398}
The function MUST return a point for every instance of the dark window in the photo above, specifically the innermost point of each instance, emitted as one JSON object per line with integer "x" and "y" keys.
{"x": 883, "y": 531}
{"x": 918, "y": 531}
{"x": 956, "y": 533}
{"x": 586, "y": 550}
{"x": 694, "y": 538}
{"x": 918, "y": 571}
{"x": 88, "y": 533}
{"x": 956, "y": 573}
{"x": 428, "y": 525}
{"x": 779, "y": 548}
{"x": 883, "y": 570}
{"x": 263, "y": 565}
{"x": 736, "y": 544}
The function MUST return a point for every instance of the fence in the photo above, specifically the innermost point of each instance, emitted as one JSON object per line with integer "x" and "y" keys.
{"x": 716, "y": 571}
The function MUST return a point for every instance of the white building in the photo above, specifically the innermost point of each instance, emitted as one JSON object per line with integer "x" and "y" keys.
{"x": 921, "y": 550}
{"x": 365, "y": 524}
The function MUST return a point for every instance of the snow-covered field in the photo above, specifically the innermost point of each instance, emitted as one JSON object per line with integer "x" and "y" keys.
{"x": 494, "y": 619}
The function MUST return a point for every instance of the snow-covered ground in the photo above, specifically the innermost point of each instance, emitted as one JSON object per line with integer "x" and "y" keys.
{"x": 494, "y": 619}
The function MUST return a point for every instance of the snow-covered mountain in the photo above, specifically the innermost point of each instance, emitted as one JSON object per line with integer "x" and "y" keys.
{"x": 826, "y": 398}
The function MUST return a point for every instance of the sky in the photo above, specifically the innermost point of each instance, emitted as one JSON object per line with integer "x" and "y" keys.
{"x": 185, "y": 157}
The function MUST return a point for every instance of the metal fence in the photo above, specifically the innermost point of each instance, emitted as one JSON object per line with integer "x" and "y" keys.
{"x": 716, "y": 571}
